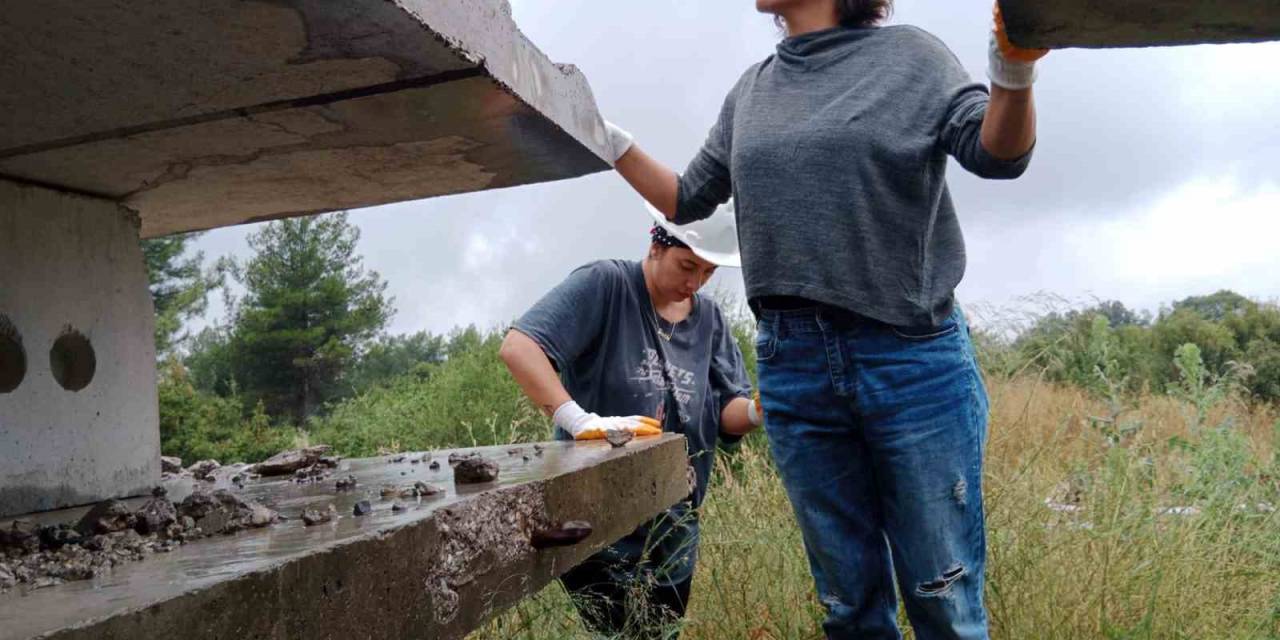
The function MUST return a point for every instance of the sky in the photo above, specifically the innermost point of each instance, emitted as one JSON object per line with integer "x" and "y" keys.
{"x": 1156, "y": 174}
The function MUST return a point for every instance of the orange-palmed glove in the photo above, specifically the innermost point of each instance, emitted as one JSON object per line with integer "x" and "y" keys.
{"x": 755, "y": 412}
{"x": 582, "y": 425}
{"x": 1008, "y": 65}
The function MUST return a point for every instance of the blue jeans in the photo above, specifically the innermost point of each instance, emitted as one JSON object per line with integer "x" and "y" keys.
{"x": 878, "y": 435}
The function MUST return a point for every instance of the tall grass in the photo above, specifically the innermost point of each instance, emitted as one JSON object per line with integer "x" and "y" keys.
{"x": 1167, "y": 532}
{"x": 1112, "y": 511}
{"x": 469, "y": 400}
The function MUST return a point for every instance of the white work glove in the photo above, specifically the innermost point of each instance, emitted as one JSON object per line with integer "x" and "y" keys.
{"x": 755, "y": 412}
{"x": 589, "y": 426}
{"x": 1010, "y": 66}
{"x": 617, "y": 142}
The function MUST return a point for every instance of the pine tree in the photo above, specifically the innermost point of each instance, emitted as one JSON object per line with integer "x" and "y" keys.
{"x": 179, "y": 287}
{"x": 309, "y": 309}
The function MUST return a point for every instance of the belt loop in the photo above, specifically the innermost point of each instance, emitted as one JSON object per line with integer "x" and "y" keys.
{"x": 835, "y": 352}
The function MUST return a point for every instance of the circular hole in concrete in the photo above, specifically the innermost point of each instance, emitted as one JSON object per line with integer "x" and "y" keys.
{"x": 72, "y": 360}
{"x": 13, "y": 358}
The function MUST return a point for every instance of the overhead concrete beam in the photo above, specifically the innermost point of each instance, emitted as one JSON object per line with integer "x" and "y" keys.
{"x": 206, "y": 113}
{"x": 437, "y": 570}
{"x": 1139, "y": 23}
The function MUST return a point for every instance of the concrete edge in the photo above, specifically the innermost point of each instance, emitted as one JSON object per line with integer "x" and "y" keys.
{"x": 484, "y": 32}
{"x": 443, "y": 575}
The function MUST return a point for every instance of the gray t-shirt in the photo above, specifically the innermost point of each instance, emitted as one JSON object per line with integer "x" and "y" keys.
{"x": 598, "y": 329}
{"x": 835, "y": 151}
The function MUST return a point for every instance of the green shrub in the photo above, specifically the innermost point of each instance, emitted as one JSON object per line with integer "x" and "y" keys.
{"x": 468, "y": 400}
{"x": 197, "y": 426}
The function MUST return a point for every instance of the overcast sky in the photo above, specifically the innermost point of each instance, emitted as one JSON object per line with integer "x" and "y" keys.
{"x": 1157, "y": 172}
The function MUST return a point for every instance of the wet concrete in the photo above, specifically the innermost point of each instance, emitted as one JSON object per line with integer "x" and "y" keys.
{"x": 1139, "y": 23}
{"x": 436, "y": 569}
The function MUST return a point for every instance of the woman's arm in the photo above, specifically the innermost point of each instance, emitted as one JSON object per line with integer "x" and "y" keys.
{"x": 705, "y": 184}
{"x": 992, "y": 133}
{"x": 1009, "y": 128}
{"x": 653, "y": 180}
{"x": 532, "y": 370}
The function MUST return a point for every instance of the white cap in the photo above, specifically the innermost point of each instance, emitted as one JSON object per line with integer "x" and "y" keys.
{"x": 714, "y": 238}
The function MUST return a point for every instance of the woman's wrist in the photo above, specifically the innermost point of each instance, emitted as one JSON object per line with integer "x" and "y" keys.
{"x": 617, "y": 141}
{"x": 755, "y": 413}
{"x": 569, "y": 417}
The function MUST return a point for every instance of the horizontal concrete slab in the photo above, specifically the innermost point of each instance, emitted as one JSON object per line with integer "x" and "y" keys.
{"x": 201, "y": 114}
{"x": 1139, "y": 23}
{"x": 437, "y": 570}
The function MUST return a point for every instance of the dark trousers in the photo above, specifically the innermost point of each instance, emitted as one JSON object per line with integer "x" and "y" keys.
{"x": 636, "y": 608}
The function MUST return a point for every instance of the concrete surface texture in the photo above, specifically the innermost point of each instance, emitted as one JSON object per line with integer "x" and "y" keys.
{"x": 1139, "y": 23}
{"x": 79, "y": 420}
{"x": 201, "y": 114}
{"x": 435, "y": 570}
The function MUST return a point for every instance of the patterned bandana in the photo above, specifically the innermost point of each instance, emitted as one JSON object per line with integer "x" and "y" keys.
{"x": 660, "y": 237}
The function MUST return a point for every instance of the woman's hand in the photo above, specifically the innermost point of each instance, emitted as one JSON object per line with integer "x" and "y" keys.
{"x": 582, "y": 425}
{"x": 1009, "y": 66}
{"x": 741, "y": 416}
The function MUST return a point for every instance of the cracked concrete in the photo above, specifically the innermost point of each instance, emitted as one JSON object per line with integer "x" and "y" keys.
{"x": 437, "y": 568}
{"x": 190, "y": 113}
{"x": 1139, "y": 23}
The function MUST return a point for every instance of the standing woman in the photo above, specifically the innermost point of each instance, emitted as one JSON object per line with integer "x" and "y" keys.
{"x": 835, "y": 151}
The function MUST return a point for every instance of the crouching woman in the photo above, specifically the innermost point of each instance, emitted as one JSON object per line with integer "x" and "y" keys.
{"x": 632, "y": 345}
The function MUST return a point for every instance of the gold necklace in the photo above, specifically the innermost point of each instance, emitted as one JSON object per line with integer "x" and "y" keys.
{"x": 657, "y": 324}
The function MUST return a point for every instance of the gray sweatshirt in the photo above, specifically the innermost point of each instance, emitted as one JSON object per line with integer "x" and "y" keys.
{"x": 835, "y": 152}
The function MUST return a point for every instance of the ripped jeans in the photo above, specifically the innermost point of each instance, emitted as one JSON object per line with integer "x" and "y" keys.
{"x": 878, "y": 434}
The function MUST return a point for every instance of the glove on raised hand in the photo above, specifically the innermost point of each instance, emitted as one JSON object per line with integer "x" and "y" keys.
{"x": 1008, "y": 65}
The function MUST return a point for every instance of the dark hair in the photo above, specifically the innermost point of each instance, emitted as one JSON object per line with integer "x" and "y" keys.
{"x": 863, "y": 13}
{"x": 859, "y": 13}
{"x": 660, "y": 237}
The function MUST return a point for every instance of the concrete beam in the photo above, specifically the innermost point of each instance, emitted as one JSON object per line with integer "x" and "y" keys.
{"x": 78, "y": 412}
{"x": 208, "y": 113}
{"x": 437, "y": 570}
{"x": 1139, "y": 23}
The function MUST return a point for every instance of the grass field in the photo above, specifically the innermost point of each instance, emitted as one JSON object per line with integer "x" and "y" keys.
{"x": 1152, "y": 520}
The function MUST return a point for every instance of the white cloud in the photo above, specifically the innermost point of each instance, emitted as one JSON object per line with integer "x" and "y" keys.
{"x": 1207, "y": 233}
{"x": 1155, "y": 176}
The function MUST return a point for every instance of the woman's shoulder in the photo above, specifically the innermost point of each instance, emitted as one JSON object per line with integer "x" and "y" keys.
{"x": 910, "y": 35}
{"x": 936, "y": 68}
{"x": 602, "y": 275}
{"x": 608, "y": 268}
{"x": 750, "y": 74}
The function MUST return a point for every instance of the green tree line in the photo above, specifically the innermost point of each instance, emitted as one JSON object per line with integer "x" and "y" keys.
{"x": 1111, "y": 349}
{"x": 303, "y": 353}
